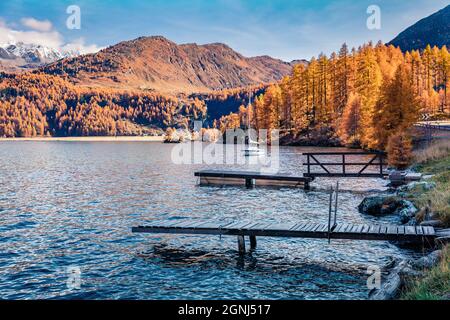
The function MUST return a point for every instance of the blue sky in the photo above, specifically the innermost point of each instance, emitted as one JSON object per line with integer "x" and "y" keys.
{"x": 286, "y": 29}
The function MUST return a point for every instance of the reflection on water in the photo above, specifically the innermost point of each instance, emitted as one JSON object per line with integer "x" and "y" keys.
{"x": 73, "y": 204}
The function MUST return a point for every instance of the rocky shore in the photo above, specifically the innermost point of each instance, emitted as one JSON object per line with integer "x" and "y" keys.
{"x": 406, "y": 213}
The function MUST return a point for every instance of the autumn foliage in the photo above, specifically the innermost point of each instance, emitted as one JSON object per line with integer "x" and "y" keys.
{"x": 361, "y": 96}
{"x": 43, "y": 105}
{"x": 399, "y": 149}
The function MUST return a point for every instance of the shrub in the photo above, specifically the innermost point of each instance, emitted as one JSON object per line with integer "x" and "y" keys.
{"x": 399, "y": 149}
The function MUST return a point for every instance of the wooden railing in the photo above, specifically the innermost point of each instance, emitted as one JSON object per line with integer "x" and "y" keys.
{"x": 313, "y": 160}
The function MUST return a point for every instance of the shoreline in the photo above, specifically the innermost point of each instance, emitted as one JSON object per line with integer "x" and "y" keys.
{"x": 90, "y": 139}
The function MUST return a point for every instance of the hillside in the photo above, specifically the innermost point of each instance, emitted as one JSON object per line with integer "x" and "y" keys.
{"x": 433, "y": 30}
{"x": 44, "y": 105}
{"x": 155, "y": 63}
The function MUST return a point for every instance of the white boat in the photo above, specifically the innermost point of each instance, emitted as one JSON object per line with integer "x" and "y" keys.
{"x": 253, "y": 151}
{"x": 253, "y": 148}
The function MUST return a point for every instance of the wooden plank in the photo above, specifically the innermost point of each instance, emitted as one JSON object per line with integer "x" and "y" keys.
{"x": 419, "y": 230}
{"x": 354, "y": 229}
{"x": 374, "y": 229}
{"x": 233, "y": 225}
{"x": 260, "y": 226}
{"x": 311, "y": 227}
{"x": 250, "y": 175}
{"x": 392, "y": 230}
{"x": 340, "y": 227}
{"x": 279, "y": 227}
{"x": 429, "y": 231}
{"x": 323, "y": 228}
{"x": 410, "y": 230}
{"x": 302, "y": 229}
{"x": 294, "y": 226}
{"x": 209, "y": 225}
{"x": 302, "y": 226}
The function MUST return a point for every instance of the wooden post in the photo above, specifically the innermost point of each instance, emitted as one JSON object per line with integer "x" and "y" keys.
{"x": 252, "y": 242}
{"x": 306, "y": 186}
{"x": 241, "y": 245}
{"x": 308, "y": 164}
{"x": 381, "y": 164}
{"x": 343, "y": 163}
{"x": 329, "y": 214}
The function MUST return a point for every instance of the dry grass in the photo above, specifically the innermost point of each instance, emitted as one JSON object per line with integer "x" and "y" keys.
{"x": 435, "y": 160}
{"x": 436, "y": 151}
{"x": 435, "y": 285}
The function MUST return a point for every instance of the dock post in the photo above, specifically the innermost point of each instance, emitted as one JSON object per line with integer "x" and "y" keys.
{"x": 252, "y": 242}
{"x": 249, "y": 183}
{"x": 241, "y": 245}
{"x": 307, "y": 186}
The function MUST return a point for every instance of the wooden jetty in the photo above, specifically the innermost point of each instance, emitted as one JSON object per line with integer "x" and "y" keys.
{"x": 347, "y": 167}
{"x": 310, "y": 230}
{"x": 251, "y": 179}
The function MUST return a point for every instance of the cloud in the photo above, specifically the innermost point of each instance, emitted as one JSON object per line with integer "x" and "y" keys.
{"x": 43, "y": 34}
{"x": 52, "y": 39}
{"x": 38, "y": 25}
{"x": 80, "y": 46}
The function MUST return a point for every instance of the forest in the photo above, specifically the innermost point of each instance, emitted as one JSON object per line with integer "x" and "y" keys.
{"x": 361, "y": 97}
{"x": 358, "y": 97}
{"x": 35, "y": 104}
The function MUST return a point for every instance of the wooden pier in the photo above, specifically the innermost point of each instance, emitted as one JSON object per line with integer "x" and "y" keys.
{"x": 251, "y": 179}
{"x": 310, "y": 230}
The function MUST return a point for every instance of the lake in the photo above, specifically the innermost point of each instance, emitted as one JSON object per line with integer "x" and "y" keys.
{"x": 68, "y": 206}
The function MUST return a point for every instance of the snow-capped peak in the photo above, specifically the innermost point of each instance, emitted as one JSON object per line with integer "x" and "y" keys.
{"x": 36, "y": 54}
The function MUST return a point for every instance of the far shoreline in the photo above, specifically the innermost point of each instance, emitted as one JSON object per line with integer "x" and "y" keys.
{"x": 90, "y": 139}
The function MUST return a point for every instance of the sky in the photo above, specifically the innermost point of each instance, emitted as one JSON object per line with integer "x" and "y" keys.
{"x": 285, "y": 29}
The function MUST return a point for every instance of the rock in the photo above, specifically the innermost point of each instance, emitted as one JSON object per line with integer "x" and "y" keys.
{"x": 384, "y": 205}
{"x": 417, "y": 186}
{"x": 432, "y": 223}
{"x": 427, "y": 176}
{"x": 391, "y": 286}
{"x": 428, "y": 261}
{"x": 378, "y": 205}
{"x": 406, "y": 273}
{"x": 406, "y": 211}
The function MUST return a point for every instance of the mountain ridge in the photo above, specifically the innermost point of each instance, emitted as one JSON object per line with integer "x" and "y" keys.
{"x": 433, "y": 30}
{"x": 156, "y": 63}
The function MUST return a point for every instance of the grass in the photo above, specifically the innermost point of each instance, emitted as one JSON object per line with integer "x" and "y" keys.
{"x": 435, "y": 160}
{"x": 436, "y": 151}
{"x": 434, "y": 286}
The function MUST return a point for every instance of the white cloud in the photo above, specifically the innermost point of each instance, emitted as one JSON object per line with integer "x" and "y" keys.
{"x": 42, "y": 34}
{"x": 80, "y": 46}
{"x": 38, "y": 25}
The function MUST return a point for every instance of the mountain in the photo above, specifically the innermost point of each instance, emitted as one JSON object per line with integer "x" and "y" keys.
{"x": 20, "y": 55}
{"x": 433, "y": 30}
{"x": 156, "y": 63}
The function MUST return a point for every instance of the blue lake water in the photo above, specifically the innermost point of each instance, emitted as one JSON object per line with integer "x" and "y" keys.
{"x": 72, "y": 204}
